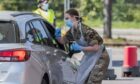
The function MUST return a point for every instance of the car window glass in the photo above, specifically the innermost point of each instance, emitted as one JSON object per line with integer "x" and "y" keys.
{"x": 37, "y": 33}
{"x": 7, "y": 32}
{"x": 51, "y": 31}
{"x": 29, "y": 36}
{"x": 34, "y": 34}
{"x": 38, "y": 26}
{"x": 50, "y": 28}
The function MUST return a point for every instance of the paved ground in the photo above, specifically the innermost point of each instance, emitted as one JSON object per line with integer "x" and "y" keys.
{"x": 117, "y": 55}
{"x": 117, "y": 62}
{"x": 123, "y": 81}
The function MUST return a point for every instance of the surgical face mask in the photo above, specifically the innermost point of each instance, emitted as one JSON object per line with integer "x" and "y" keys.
{"x": 45, "y": 6}
{"x": 69, "y": 23}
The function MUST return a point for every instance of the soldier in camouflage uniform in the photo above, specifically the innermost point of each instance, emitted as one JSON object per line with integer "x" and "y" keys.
{"x": 90, "y": 44}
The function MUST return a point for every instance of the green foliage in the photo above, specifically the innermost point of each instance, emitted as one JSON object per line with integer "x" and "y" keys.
{"x": 126, "y": 24}
{"x": 119, "y": 10}
{"x": 58, "y": 6}
{"x": 135, "y": 13}
{"x": 18, "y": 5}
{"x": 115, "y": 24}
{"x": 123, "y": 11}
{"x": 91, "y": 8}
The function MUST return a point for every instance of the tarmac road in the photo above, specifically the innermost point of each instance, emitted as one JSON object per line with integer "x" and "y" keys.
{"x": 117, "y": 62}
{"x": 117, "y": 55}
{"x": 123, "y": 81}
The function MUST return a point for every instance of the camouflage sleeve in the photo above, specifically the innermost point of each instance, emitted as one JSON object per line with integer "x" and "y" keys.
{"x": 68, "y": 37}
{"x": 92, "y": 37}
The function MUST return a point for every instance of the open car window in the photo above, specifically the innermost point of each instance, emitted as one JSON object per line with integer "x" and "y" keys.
{"x": 51, "y": 31}
{"x": 36, "y": 33}
{"x": 50, "y": 28}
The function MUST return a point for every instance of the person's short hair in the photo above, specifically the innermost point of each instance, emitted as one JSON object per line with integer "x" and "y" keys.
{"x": 40, "y": 2}
{"x": 73, "y": 12}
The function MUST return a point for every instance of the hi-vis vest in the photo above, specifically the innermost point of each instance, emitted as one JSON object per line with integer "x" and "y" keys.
{"x": 47, "y": 15}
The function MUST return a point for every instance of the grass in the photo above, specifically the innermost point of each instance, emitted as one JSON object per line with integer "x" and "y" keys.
{"x": 115, "y": 40}
{"x": 126, "y": 25}
{"x": 99, "y": 24}
{"x": 94, "y": 23}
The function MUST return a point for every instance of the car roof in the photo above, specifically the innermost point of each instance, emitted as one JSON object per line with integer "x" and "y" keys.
{"x": 11, "y": 15}
{"x": 21, "y": 18}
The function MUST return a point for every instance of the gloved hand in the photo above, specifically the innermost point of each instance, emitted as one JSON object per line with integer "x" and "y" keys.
{"x": 57, "y": 33}
{"x": 75, "y": 47}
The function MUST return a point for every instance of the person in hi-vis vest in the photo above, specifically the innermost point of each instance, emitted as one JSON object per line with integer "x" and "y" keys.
{"x": 46, "y": 12}
{"x": 49, "y": 15}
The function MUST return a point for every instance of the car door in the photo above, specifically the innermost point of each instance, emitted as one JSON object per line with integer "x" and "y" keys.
{"x": 55, "y": 56}
{"x": 68, "y": 73}
{"x": 35, "y": 43}
{"x": 52, "y": 56}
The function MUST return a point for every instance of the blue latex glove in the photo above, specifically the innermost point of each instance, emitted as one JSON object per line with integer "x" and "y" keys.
{"x": 75, "y": 47}
{"x": 57, "y": 33}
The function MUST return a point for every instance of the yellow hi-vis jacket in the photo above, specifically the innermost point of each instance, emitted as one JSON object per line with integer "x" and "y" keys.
{"x": 47, "y": 15}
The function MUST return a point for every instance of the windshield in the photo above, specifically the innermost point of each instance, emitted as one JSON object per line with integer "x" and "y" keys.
{"x": 7, "y": 32}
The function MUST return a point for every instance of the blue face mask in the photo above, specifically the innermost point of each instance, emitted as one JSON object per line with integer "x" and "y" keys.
{"x": 69, "y": 23}
{"x": 45, "y": 6}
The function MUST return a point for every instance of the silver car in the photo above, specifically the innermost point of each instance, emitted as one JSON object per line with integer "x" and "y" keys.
{"x": 29, "y": 54}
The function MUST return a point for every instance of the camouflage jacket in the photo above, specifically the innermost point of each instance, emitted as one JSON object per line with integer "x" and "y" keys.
{"x": 89, "y": 34}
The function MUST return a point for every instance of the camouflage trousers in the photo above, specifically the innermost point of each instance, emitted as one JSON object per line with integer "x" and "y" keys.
{"x": 98, "y": 72}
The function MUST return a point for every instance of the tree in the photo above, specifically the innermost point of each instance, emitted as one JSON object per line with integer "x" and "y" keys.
{"x": 107, "y": 18}
{"x": 91, "y": 8}
{"x": 18, "y": 5}
{"x": 94, "y": 9}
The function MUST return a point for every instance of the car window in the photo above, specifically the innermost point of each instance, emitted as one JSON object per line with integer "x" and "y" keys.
{"x": 35, "y": 33}
{"x": 29, "y": 35}
{"x": 50, "y": 28}
{"x": 7, "y": 32}
{"x": 36, "y": 24}
{"x": 51, "y": 31}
